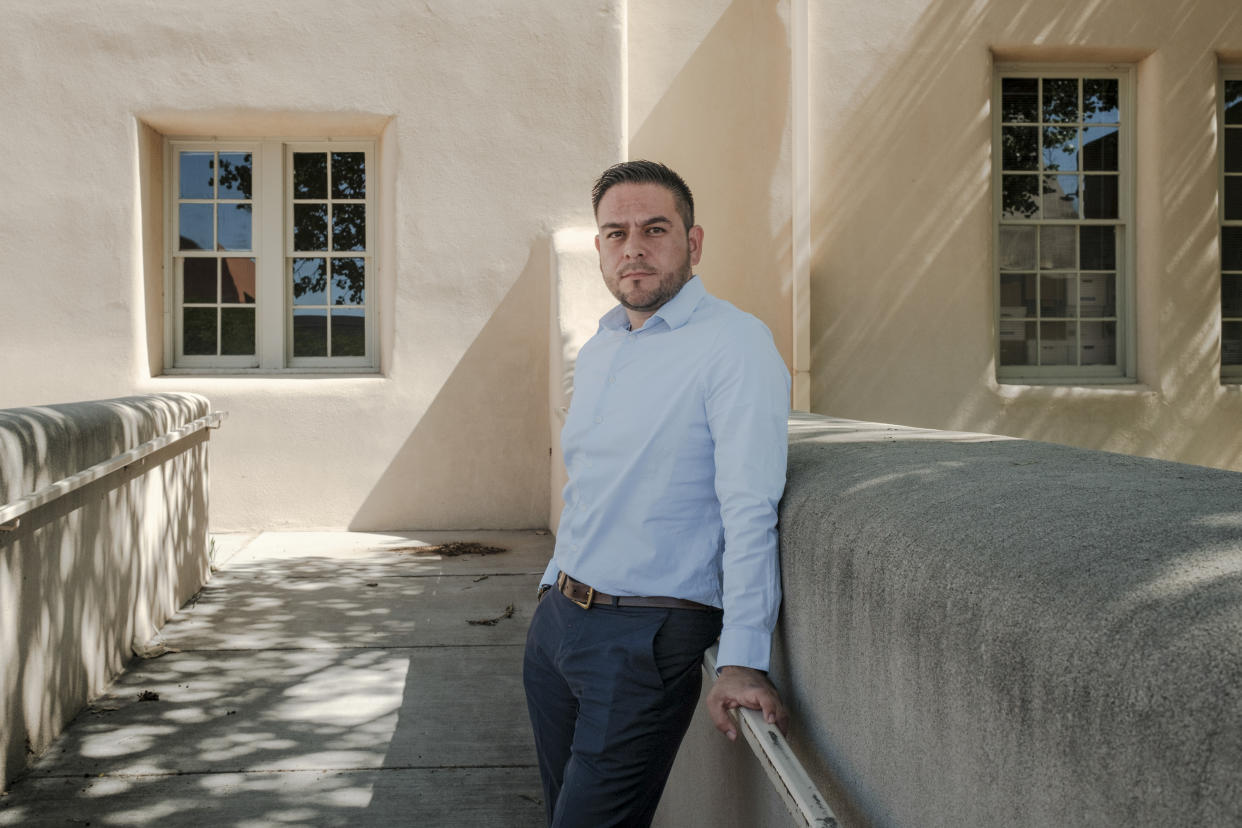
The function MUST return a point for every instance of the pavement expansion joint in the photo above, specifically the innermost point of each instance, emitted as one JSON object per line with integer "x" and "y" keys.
{"x": 279, "y": 771}
{"x": 335, "y": 648}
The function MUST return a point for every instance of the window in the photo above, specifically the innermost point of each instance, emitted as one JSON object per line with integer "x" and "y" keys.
{"x": 1063, "y": 205}
{"x": 271, "y": 255}
{"x": 1231, "y": 226}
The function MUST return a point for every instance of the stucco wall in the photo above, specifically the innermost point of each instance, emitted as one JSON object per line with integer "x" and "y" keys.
{"x": 708, "y": 91}
{"x": 88, "y": 576}
{"x": 492, "y": 120}
{"x": 902, "y": 287}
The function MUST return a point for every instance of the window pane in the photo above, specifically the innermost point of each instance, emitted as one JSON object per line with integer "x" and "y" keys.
{"x": 1017, "y": 343}
{"x": 198, "y": 328}
{"x": 1019, "y": 194}
{"x": 1060, "y": 149}
{"x": 1233, "y": 150}
{"x": 1099, "y": 343}
{"x": 349, "y": 227}
{"x": 1020, "y": 100}
{"x": 1017, "y": 248}
{"x": 235, "y": 175}
{"x": 194, "y": 227}
{"x": 310, "y": 227}
{"x": 1057, "y": 343}
{"x": 310, "y": 175}
{"x": 1017, "y": 295}
{"x": 1231, "y": 248}
{"x": 1060, "y": 196}
{"x": 237, "y": 282}
{"x": 1231, "y": 297}
{"x": 1099, "y": 197}
{"x": 1099, "y": 148}
{"x": 310, "y": 333}
{"x": 349, "y": 332}
{"x": 1056, "y": 248}
{"x": 310, "y": 282}
{"x": 234, "y": 226}
{"x": 196, "y": 174}
{"x": 1058, "y": 295}
{"x": 1231, "y": 343}
{"x": 1233, "y": 198}
{"x": 348, "y": 282}
{"x": 349, "y": 175}
{"x": 1097, "y": 295}
{"x": 1099, "y": 103}
{"x": 1233, "y": 101}
{"x": 1097, "y": 248}
{"x": 1020, "y": 148}
{"x": 198, "y": 281}
{"x": 1060, "y": 100}
{"x": 237, "y": 331}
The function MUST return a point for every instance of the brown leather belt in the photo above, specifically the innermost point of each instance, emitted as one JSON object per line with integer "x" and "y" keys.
{"x": 586, "y": 597}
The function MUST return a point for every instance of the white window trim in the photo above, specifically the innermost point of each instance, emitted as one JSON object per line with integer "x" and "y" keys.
{"x": 1125, "y": 369}
{"x": 1229, "y": 374}
{"x": 273, "y": 281}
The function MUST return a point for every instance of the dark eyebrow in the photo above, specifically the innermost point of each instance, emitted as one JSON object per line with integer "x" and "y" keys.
{"x": 612, "y": 225}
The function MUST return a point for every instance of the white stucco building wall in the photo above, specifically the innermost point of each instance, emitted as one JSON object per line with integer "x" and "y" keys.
{"x": 491, "y": 120}
{"x": 903, "y": 296}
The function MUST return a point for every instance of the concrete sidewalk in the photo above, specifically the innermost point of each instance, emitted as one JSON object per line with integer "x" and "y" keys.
{"x": 320, "y": 679}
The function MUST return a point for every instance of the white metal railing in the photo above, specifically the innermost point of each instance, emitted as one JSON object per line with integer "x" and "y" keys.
{"x": 801, "y": 797}
{"x": 10, "y": 513}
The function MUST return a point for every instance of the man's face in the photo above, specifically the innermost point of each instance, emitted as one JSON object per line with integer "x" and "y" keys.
{"x": 645, "y": 251}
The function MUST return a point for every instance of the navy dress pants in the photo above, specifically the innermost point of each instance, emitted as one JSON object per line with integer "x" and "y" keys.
{"x": 611, "y": 691}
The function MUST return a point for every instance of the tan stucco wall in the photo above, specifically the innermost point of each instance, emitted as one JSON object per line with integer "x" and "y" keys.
{"x": 709, "y": 94}
{"x": 902, "y": 284}
{"x": 492, "y": 120}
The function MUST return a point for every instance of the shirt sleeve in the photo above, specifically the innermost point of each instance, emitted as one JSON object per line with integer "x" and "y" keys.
{"x": 747, "y": 400}
{"x": 550, "y": 574}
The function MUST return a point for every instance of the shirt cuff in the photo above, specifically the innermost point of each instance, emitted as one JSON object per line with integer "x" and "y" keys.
{"x": 744, "y": 647}
{"x": 550, "y": 574}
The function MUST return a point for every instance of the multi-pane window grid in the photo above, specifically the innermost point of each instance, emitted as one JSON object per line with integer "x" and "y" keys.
{"x": 1231, "y": 227}
{"x": 1060, "y": 235}
{"x": 214, "y": 259}
{"x": 327, "y": 258}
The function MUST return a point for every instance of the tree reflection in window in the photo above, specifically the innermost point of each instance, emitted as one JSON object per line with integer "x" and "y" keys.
{"x": 1059, "y": 155}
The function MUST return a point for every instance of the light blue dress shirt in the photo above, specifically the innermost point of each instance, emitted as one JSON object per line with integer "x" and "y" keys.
{"x": 675, "y": 445}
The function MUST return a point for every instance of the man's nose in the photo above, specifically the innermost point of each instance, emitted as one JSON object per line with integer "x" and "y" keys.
{"x": 634, "y": 249}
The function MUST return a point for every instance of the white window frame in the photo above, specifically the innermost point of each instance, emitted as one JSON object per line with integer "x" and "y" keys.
{"x": 272, "y": 249}
{"x": 1229, "y": 374}
{"x": 1124, "y": 369}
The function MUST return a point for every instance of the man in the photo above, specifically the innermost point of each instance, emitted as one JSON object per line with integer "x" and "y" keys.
{"x": 675, "y": 444}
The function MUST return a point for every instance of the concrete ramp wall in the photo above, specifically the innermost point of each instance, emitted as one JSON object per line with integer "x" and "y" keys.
{"x": 980, "y": 631}
{"x": 109, "y": 539}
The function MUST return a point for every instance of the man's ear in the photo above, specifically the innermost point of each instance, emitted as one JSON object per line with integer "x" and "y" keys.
{"x": 695, "y": 240}
{"x": 597, "y": 242}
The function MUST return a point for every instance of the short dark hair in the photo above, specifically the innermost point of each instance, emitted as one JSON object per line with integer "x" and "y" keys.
{"x": 646, "y": 172}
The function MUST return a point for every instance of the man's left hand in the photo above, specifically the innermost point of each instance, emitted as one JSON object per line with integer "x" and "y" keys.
{"x": 744, "y": 687}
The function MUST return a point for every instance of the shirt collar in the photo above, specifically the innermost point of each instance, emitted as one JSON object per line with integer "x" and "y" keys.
{"x": 675, "y": 312}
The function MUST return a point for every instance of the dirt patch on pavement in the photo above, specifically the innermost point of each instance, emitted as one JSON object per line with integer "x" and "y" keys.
{"x": 452, "y": 549}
